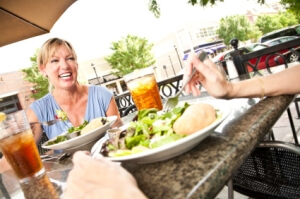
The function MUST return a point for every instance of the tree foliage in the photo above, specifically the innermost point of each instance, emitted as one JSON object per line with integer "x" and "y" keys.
{"x": 267, "y": 23}
{"x": 212, "y": 2}
{"x": 237, "y": 26}
{"x": 33, "y": 75}
{"x": 130, "y": 53}
{"x": 155, "y": 9}
{"x": 292, "y": 6}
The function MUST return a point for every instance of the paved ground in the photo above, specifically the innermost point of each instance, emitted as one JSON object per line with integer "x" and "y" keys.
{"x": 282, "y": 131}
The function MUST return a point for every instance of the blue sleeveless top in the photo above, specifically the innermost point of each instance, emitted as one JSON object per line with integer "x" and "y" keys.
{"x": 45, "y": 109}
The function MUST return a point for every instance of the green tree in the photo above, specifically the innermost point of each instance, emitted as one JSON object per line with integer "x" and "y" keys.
{"x": 155, "y": 9}
{"x": 33, "y": 75}
{"x": 212, "y": 2}
{"x": 130, "y": 53}
{"x": 287, "y": 19}
{"x": 237, "y": 26}
{"x": 267, "y": 23}
{"x": 292, "y": 5}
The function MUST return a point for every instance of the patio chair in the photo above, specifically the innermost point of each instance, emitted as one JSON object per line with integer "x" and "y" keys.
{"x": 271, "y": 172}
{"x": 43, "y": 140}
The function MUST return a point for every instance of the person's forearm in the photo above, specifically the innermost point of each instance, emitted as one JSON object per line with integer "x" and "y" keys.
{"x": 246, "y": 88}
{"x": 285, "y": 82}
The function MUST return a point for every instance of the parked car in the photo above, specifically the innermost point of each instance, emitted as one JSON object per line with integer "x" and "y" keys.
{"x": 288, "y": 31}
{"x": 291, "y": 57}
{"x": 243, "y": 50}
{"x": 222, "y": 57}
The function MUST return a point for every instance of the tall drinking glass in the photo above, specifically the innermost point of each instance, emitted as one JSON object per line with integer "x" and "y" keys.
{"x": 143, "y": 88}
{"x": 18, "y": 146}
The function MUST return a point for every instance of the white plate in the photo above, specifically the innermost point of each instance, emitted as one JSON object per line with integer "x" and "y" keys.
{"x": 82, "y": 139}
{"x": 175, "y": 148}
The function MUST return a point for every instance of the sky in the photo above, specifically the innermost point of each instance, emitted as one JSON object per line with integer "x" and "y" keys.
{"x": 91, "y": 25}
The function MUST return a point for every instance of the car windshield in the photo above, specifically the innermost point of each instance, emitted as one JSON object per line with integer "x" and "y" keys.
{"x": 247, "y": 49}
{"x": 297, "y": 29}
{"x": 258, "y": 47}
{"x": 280, "y": 40}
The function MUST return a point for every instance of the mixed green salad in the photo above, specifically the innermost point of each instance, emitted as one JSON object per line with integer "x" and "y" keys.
{"x": 62, "y": 138}
{"x": 152, "y": 129}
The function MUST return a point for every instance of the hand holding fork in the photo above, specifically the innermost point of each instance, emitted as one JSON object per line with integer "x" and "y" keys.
{"x": 173, "y": 101}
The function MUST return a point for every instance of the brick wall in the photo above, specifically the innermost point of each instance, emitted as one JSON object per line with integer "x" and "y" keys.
{"x": 14, "y": 82}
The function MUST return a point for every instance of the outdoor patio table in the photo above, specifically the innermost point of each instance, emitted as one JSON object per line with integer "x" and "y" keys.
{"x": 204, "y": 170}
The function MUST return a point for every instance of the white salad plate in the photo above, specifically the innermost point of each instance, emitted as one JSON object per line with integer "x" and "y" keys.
{"x": 81, "y": 139}
{"x": 177, "y": 147}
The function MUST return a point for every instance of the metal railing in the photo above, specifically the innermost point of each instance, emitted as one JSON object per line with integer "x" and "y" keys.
{"x": 276, "y": 54}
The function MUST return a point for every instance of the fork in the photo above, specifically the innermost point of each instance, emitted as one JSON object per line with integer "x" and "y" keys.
{"x": 47, "y": 123}
{"x": 173, "y": 101}
{"x": 59, "y": 157}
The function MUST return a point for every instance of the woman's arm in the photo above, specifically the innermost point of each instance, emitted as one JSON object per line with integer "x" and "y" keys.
{"x": 36, "y": 128}
{"x": 113, "y": 110}
{"x": 284, "y": 82}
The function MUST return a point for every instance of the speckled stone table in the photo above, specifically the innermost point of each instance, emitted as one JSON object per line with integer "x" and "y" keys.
{"x": 203, "y": 171}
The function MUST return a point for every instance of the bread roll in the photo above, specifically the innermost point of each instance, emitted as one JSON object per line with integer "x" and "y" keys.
{"x": 93, "y": 124}
{"x": 195, "y": 118}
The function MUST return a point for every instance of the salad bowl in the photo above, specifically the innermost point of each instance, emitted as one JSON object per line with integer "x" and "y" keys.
{"x": 81, "y": 139}
{"x": 175, "y": 148}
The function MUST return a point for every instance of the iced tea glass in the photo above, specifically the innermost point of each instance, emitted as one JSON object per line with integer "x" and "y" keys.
{"x": 18, "y": 146}
{"x": 143, "y": 88}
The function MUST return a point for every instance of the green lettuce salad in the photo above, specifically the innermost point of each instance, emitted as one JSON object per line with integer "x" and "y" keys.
{"x": 152, "y": 129}
{"x": 62, "y": 138}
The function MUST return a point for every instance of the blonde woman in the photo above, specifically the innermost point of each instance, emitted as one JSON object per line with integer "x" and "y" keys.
{"x": 57, "y": 61}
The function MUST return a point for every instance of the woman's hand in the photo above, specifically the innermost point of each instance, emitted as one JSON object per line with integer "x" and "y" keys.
{"x": 4, "y": 165}
{"x": 99, "y": 178}
{"x": 209, "y": 76}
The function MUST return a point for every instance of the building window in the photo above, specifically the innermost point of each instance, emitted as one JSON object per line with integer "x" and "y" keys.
{"x": 205, "y": 32}
{"x": 9, "y": 104}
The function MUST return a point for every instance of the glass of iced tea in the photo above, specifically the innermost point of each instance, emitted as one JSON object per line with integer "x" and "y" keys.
{"x": 143, "y": 88}
{"x": 18, "y": 146}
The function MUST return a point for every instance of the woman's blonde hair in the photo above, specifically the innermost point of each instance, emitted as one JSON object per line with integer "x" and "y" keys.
{"x": 48, "y": 49}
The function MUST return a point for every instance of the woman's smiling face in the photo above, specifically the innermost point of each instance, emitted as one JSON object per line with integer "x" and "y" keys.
{"x": 61, "y": 68}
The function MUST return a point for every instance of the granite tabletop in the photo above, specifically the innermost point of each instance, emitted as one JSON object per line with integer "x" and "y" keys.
{"x": 204, "y": 170}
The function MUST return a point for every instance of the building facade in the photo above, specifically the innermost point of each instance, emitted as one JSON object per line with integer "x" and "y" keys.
{"x": 15, "y": 92}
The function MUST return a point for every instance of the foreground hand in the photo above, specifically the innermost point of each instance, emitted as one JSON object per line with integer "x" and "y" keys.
{"x": 208, "y": 75}
{"x": 4, "y": 165}
{"x": 101, "y": 178}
